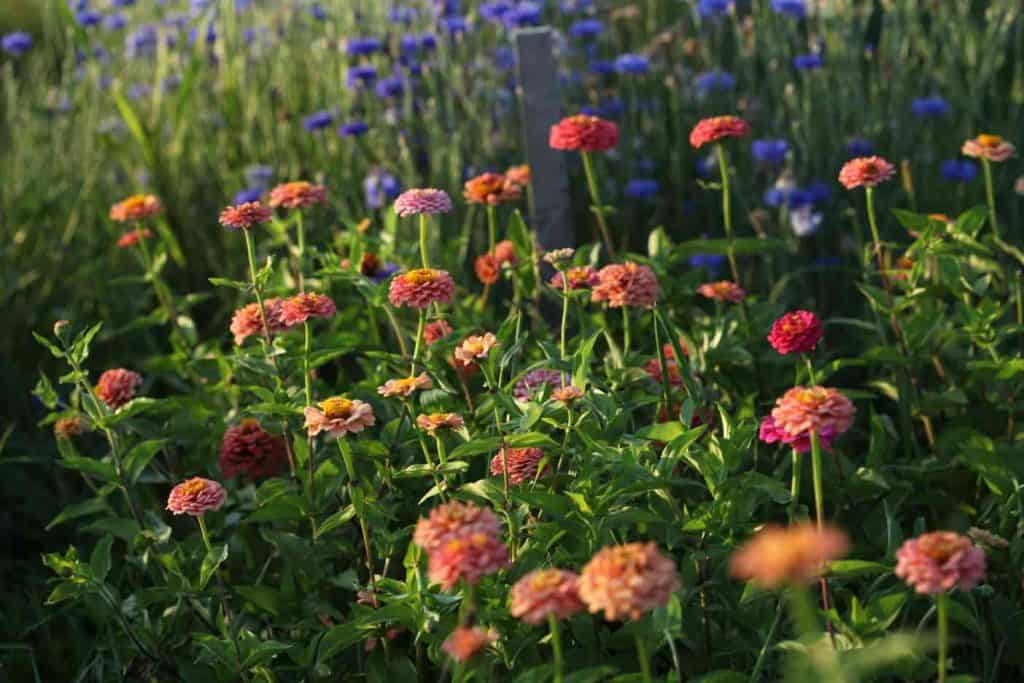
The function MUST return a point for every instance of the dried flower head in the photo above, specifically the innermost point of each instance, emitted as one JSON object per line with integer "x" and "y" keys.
{"x": 136, "y": 208}
{"x": 991, "y": 147}
{"x": 723, "y": 290}
{"x": 465, "y": 642}
{"x": 133, "y": 237}
{"x": 475, "y": 347}
{"x": 248, "y": 450}
{"x": 523, "y": 464}
{"x": 940, "y": 561}
{"x": 297, "y": 309}
{"x": 196, "y": 496}
{"x": 584, "y": 133}
{"x": 779, "y": 556}
{"x": 297, "y": 195}
{"x": 626, "y": 284}
{"x": 339, "y": 416}
{"x": 628, "y": 580}
{"x": 466, "y": 558}
{"x": 818, "y": 409}
{"x": 985, "y": 537}
{"x": 491, "y": 189}
{"x": 535, "y": 381}
{"x": 796, "y": 332}
{"x": 545, "y": 593}
{"x": 435, "y": 421}
{"x": 117, "y": 387}
{"x": 426, "y": 201}
{"x": 244, "y": 216}
{"x": 559, "y": 255}
{"x": 247, "y": 322}
{"x": 718, "y": 128}
{"x": 866, "y": 172}
{"x": 454, "y": 520}
{"x": 406, "y": 386}
{"x": 421, "y": 287}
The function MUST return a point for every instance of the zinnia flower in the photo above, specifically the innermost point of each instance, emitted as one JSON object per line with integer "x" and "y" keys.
{"x": 822, "y": 410}
{"x": 421, "y": 287}
{"x": 940, "y": 561}
{"x": 487, "y": 269}
{"x": 475, "y": 347}
{"x": 523, "y": 464}
{"x": 545, "y": 593}
{"x": 196, "y": 497}
{"x": 436, "y": 331}
{"x": 136, "y": 208}
{"x": 505, "y": 253}
{"x": 779, "y": 556}
{"x": 301, "y": 307}
{"x": 247, "y": 322}
{"x": 339, "y": 416}
{"x": 653, "y": 366}
{"x": 558, "y": 255}
{"x": 297, "y": 195}
{"x": 133, "y": 237}
{"x": 435, "y": 421}
{"x": 454, "y": 520}
{"x": 406, "y": 386}
{"x": 244, "y": 216}
{"x": 567, "y": 395}
{"x": 520, "y": 175}
{"x": 769, "y": 432}
{"x": 534, "y": 381}
{"x": 422, "y": 202}
{"x": 723, "y": 290}
{"x": 466, "y": 558}
{"x": 718, "y": 128}
{"x": 491, "y": 189}
{"x": 628, "y": 580}
{"x": 579, "y": 277}
{"x": 626, "y": 284}
{"x": 117, "y": 387}
{"x": 865, "y": 172}
{"x": 584, "y": 133}
{"x": 796, "y": 332}
{"x": 248, "y": 450}
{"x": 464, "y": 642}
{"x": 991, "y": 147}
{"x": 69, "y": 427}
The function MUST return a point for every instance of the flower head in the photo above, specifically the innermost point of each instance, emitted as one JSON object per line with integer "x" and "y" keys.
{"x": 247, "y": 321}
{"x": 297, "y": 195}
{"x": 339, "y": 416}
{"x": 505, "y": 253}
{"x": 584, "y": 133}
{"x": 117, "y": 387}
{"x": 487, "y": 269}
{"x": 422, "y": 201}
{"x": 436, "y": 331}
{"x": 991, "y": 147}
{"x": 718, "y": 128}
{"x": 822, "y": 410}
{"x": 244, "y": 216}
{"x": 454, "y": 520}
{"x": 248, "y": 450}
{"x": 465, "y": 642}
{"x": 136, "y": 208}
{"x": 626, "y": 284}
{"x": 653, "y": 366}
{"x": 779, "y": 556}
{"x": 421, "y": 287}
{"x": 545, "y": 593}
{"x": 435, "y": 421}
{"x": 406, "y": 386}
{"x": 300, "y": 308}
{"x": 133, "y": 237}
{"x": 558, "y": 255}
{"x": 466, "y": 558}
{"x": 865, "y": 172}
{"x": 628, "y": 580}
{"x": 520, "y": 175}
{"x": 535, "y": 381}
{"x": 579, "y": 277}
{"x": 69, "y": 427}
{"x": 724, "y": 290}
{"x": 523, "y": 464}
{"x": 567, "y": 395}
{"x": 940, "y": 561}
{"x": 196, "y": 496}
{"x": 796, "y": 332}
{"x": 491, "y": 189}
{"x": 475, "y": 347}
{"x": 770, "y": 432}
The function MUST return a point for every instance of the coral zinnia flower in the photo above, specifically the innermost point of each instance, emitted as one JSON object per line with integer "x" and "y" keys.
{"x": 545, "y": 593}
{"x": 865, "y": 172}
{"x": 247, "y": 322}
{"x": 939, "y": 561}
{"x": 464, "y": 642}
{"x": 475, "y": 347}
{"x": 196, "y": 497}
{"x": 653, "y": 366}
{"x": 991, "y": 147}
{"x": 301, "y": 307}
{"x": 454, "y": 520}
{"x": 133, "y": 237}
{"x": 822, "y": 410}
{"x": 523, "y": 464}
{"x": 243, "y": 216}
{"x": 248, "y": 450}
{"x": 425, "y": 201}
{"x": 628, "y": 580}
{"x": 718, "y": 128}
{"x": 406, "y": 386}
{"x": 567, "y": 395}
{"x": 491, "y": 189}
{"x": 435, "y": 421}
{"x": 580, "y": 277}
{"x": 69, "y": 427}
{"x": 769, "y": 432}
{"x": 796, "y": 332}
{"x": 466, "y": 558}
{"x": 118, "y": 386}
{"x": 779, "y": 556}
{"x": 135, "y": 208}
{"x": 487, "y": 269}
{"x": 583, "y": 133}
{"x": 421, "y": 287}
{"x": 297, "y": 195}
{"x": 626, "y": 284}
{"x": 436, "y": 331}
{"x": 520, "y": 175}
{"x": 339, "y": 416}
{"x": 724, "y": 290}
{"x": 534, "y": 382}
{"x": 505, "y": 253}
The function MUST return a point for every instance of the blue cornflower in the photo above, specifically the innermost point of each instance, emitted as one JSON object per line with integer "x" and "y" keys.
{"x": 494, "y": 11}
{"x": 446, "y": 8}
{"x": 769, "y": 151}
{"x": 317, "y": 11}
{"x": 807, "y": 62}
{"x": 352, "y": 129}
{"x": 793, "y": 8}
{"x": 142, "y": 41}
{"x": 602, "y": 67}
{"x": 122, "y": 3}
{"x": 259, "y": 175}
{"x": 139, "y": 91}
{"x": 392, "y": 86}
{"x": 632, "y": 64}
{"x": 249, "y": 194}
{"x": 363, "y": 46}
{"x": 714, "y": 81}
{"x": 88, "y": 17}
{"x": 959, "y": 171}
{"x": 930, "y": 107}
{"x": 505, "y": 58}
{"x": 361, "y": 74}
{"x": 317, "y": 121}
{"x": 211, "y": 35}
{"x": 379, "y": 188}
{"x": 170, "y": 84}
{"x": 401, "y": 14}
{"x": 820, "y": 192}
{"x": 710, "y": 262}
{"x": 573, "y": 6}
{"x": 115, "y": 22}
{"x": 428, "y": 41}
{"x": 859, "y": 147}
{"x": 641, "y": 188}
{"x": 455, "y": 25}
{"x": 709, "y": 9}
{"x": 16, "y": 43}
{"x": 409, "y": 45}
{"x": 523, "y": 14}
{"x": 585, "y": 29}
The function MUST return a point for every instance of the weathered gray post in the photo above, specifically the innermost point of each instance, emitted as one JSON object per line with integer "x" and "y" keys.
{"x": 540, "y": 103}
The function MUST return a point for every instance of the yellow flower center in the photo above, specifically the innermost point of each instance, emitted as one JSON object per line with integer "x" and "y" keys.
{"x": 421, "y": 276}
{"x": 812, "y": 395}
{"x": 584, "y": 120}
{"x": 939, "y": 547}
{"x": 194, "y": 486}
{"x": 547, "y": 578}
{"x": 986, "y": 140}
{"x": 336, "y": 407}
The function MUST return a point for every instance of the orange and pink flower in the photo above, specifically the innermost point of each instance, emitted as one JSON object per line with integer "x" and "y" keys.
{"x": 584, "y": 133}
{"x": 436, "y": 331}
{"x": 300, "y": 308}
{"x": 866, "y": 172}
{"x": 466, "y": 558}
{"x": 723, "y": 290}
{"x": 523, "y": 464}
{"x": 475, "y": 347}
{"x": 718, "y": 128}
{"x": 520, "y": 175}
{"x": 465, "y": 642}
{"x": 196, "y": 496}
{"x": 117, "y": 387}
{"x": 406, "y": 386}
{"x": 796, "y": 555}
{"x": 567, "y": 395}
{"x": 625, "y": 581}
{"x": 487, "y": 269}
{"x": 990, "y": 147}
{"x": 247, "y": 322}
{"x": 244, "y": 216}
{"x": 434, "y": 421}
{"x": 299, "y": 194}
{"x": 819, "y": 410}
{"x": 579, "y": 277}
{"x": 136, "y": 208}
{"x": 626, "y": 284}
{"x": 454, "y": 520}
{"x": 70, "y": 427}
{"x": 491, "y": 189}
{"x": 421, "y": 287}
{"x": 339, "y": 416}
{"x": 133, "y": 237}
{"x": 940, "y": 561}
{"x": 546, "y": 593}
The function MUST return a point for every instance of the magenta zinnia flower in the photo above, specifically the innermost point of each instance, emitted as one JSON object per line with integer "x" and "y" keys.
{"x": 196, "y": 497}
{"x": 426, "y": 201}
{"x": 940, "y": 561}
{"x": 796, "y": 332}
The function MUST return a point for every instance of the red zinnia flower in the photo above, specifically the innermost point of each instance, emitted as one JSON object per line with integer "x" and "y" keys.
{"x": 116, "y": 387}
{"x": 436, "y": 331}
{"x": 487, "y": 269}
{"x": 584, "y": 133}
{"x": 421, "y": 287}
{"x": 245, "y": 215}
{"x": 248, "y": 450}
{"x": 865, "y": 172}
{"x": 301, "y": 307}
{"x": 796, "y": 332}
{"x": 133, "y": 237}
{"x": 718, "y": 128}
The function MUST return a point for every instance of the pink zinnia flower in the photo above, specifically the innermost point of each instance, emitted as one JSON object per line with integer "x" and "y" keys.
{"x": 628, "y": 580}
{"x": 475, "y": 347}
{"x": 567, "y": 395}
{"x": 339, "y": 416}
{"x": 248, "y": 450}
{"x": 520, "y": 175}
{"x": 421, "y": 287}
{"x": 465, "y": 642}
{"x": 505, "y": 253}
{"x": 534, "y": 382}
{"x": 779, "y": 556}
{"x": 940, "y": 561}
{"x": 545, "y": 593}
{"x": 196, "y": 496}
{"x": 723, "y": 290}
{"x": 583, "y": 133}
{"x": 523, "y": 464}
{"x": 579, "y": 277}
{"x": 466, "y": 558}
{"x": 822, "y": 410}
{"x": 436, "y": 331}
{"x": 406, "y": 386}
{"x": 865, "y": 172}
{"x": 425, "y": 201}
{"x": 769, "y": 432}
{"x": 136, "y": 208}
{"x": 247, "y": 321}
{"x": 991, "y": 147}
{"x": 435, "y": 421}
{"x": 718, "y": 128}
{"x": 133, "y": 237}
{"x": 491, "y": 189}
{"x": 626, "y": 284}
{"x": 117, "y": 387}
{"x": 796, "y": 332}
{"x": 297, "y": 195}
{"x": 301, "y": 307}
{"x": 454, "y": 520}
{"x": 243, "y": 216}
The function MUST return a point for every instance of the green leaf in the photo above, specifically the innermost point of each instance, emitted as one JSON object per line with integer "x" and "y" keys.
{"x": 83, "y": 509}
{"x": 96, "y": 468}
{"x": 140, "y": 456}
{"x": 65, "y": 591}
{"x": 339, "y": 518}
{"x": 99, "y": 561}
{"x": 283, "y": 508}
{"x": 475, "y": 447}
{"x": 851, "y": 568}
{"x": 531, "y": 440}
{"x": 232, "y": 284}
{"x": 137, "y": 406}
{"x": 53, "y": 348}
{"x": 664, "y": 431}
{"x": 266, "y": 598}
{"x": 45, "y": 392}
{"x": 264, "y": 652}
{"x": 214, "y": 558}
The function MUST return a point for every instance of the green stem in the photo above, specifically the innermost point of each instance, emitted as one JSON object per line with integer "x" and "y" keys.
{"x": 723, "y": 172}
{"x": 305, "y": 362}
{"x": 492, "y": 229}
{"x": 942, "y": 610}
{"x": 755, "y": 675}
{"x": 565, "y": 311}
{"x": 810, "y": 370}
{"x": 645, "y": 659}
{"x": 300, "y": 228}
{"x": 802, "y": 610}
{"x": 819, "y": 495}
{"x": 626, "y": 337}
{"x": 991, "y": 196}
{"x": 598, "y": 207}
{"x": 556, "y": 647}
{"x": 350, "y": 469}
{"x": 419, "y": 340}
{"x": 794, "y": 486}
{"x": 664, "y": 371}
{"x": 396, "y": 328}
{"x": 204, "y": 533}
{"x": 423, "y": 240}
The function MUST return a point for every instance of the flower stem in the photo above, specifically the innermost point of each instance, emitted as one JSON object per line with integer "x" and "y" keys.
{"x": 663, "y": 370}
{"x": 626, "y": 337}
{"x": 598, "y": 207}
{"x": 350, "y": 469}
{"x": 723, "y": 171}
{"x": 305, "y": 363}
{"x": 419, "y": 340}
{"x": 204, "y": 533}
{"x": 942, "y": 614}
{"x": 645, "y": 659}
{"x": 991, "y": 196}
{"x": 556, "y": 647}
{"x": 794, "y": 486}
{"x": 423, "y": 241}
{"x": 819, "y": 495}
{"x": 565, "y": 312}
{"x": 300, "y": 229}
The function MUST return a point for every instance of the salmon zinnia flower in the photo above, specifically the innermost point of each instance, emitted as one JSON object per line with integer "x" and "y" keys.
{"x": 505, "y": 253}
{"x": 475, "y": 347}
{"x": 520, "y": 175}
{"x": 628, "y": 580}
{"x": 583, "y": 133}
{"x": 653, "y": 366}
{"x": 69, "y": 427}
{"x": 247, "y": 322}
{"x": 465, "y": 642}
{"x": 297, "y": 195}
{"x": 717, "y": 128}
{"x": 117, "y": 387}
{"x": 769, "y": 432}
{"x": 421, "y": 287}
{"x": 990, "y": 147}
{"x": 865, "y": 172}
{"x": 579, "y": 277}
{"x": 244, "y": 216}
{"x": 426, "y": 201}
{"x": 247, "y": 449}
{"x": 339, "y": 416}
{"x": 436, "y": 331}
{"x": 301, "y": 307}
{"x": 406, "y": 386}
{"x": 626, "y": 284}
{"x": 487, "y": 269}
{"x": 779, "y": 556}
{"x": 523, "y": 464}
{"x": 940, "y": 561}
{"x": 567, "y": 395}
{"x": 196, "y": 497}
{"x": 133, "y": 237}
{"x": 545, "y": 593}
{"x": 453, "y": 520}
{"x": 724, "y": 290}
{"x": 466, "y": 558}
{"x": 818, "y": 409}
{"x": 136, "y": 208}
{"x": 491, "y": 189}
{"x": 796, "y": 332}
{"x": 435, "y": 421}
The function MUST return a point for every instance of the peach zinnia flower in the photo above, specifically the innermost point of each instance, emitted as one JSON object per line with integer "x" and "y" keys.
{"x": 421, "y": 287}
{"x": 298, "y": 309}
{"x": 135, "y": 208}
{"x": 454, "y": 520}
{"x": 339, "y": 416}
{"x": 654, "y": 371}
{"x": 436, "y": 331}
{"x": 475, "y": 347}
{"x": 626, "y": 284}
{"x": 435, "y": 421}
{"x": 133, "y": 237}
{"x": 940, "y": 561}
{"x": 545, "y": 593}
{"x": 487, "y": 269}
{"x": 505, "y": 253}
{"x": 297, "y": 195}
{"x": 628, "y": 580}
{"x": 117, "y": 387}
{"x": 523, "y": 464}
{"x": 196, "y": 497}
{"x": 406, "y": 386}
{"x": 796, "y": 332}
{"x": 718, "y": 128}
{"x": 724, "y": 290}
{"x": 425, "y": 201}
{"x": 464, "y": 642}
{"x": 579, "y": 277}
{"x": 244, "y": 216}
{"x": 818, "y": 409}
{"x": 583, "y": 133}
{"x": 567, "y": 395}
{"x": 466, "y": 558}
{"x": 247, "y": 321}
{"x": 491, "y": 189}
{"x": 779, "y": 556}
{"x": 520, "y": 175}
{"x": 990, "y": 147}
{"x": 247, "y": 449}
{"x": 865, "y": 172}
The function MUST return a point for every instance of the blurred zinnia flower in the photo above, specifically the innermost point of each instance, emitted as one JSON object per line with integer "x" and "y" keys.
{"x": 718, "y": 128}
{"x": 406, "y": 386}
{"x": 436, "y": 331}
{"x": 567, "y": 395}
{"x": 133, "y": 237}
{"x": 69, "y": 427}
{"x": 466, "y": 558}
{"x": 244, "y": 216}
{"x": 523, "y": 464}
{"x": 520, "y": 175}
{"x": 297, "y": 195}
{"x": 534, "y": 381}
{"x": 435, "y": 421}
{"x": 247, "y": 322}
{"x": 866, "y": 172}
{"x": 475, "y": 347}
{"x": 796, "y": 555}
{"x": 247, "y": 449}
{"x": 584, "y": 133}
{"x": 196, "y": 496}
{"x": 653, "y": 366}
{"x": 579, "y": 277}
{"x": 991, "y": 147}
{"x": 425, "y": 201}
{"x": 421, "y": 287}
{"x": 723, "y": 290}
{"x": 491, "y": 189}
{"x": 940, "y": 561}
{"x": 136, "y": 208}
{"x": 818, "y": 409}
{"x": 769, "y": 432}
{"x": 486, "y": 269}
{"x": 300, "y": 308}
{"x": 453, "y": 520}
{"x": 545, "y": 593}
{"x": 626, "y": 284}
{"x": 796, "y": 332}
{"x": 628, "y": 580}
{"x": 339, "y": 416}
{"x": 465, "y": 642}
{"x": 117, "y": 387}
